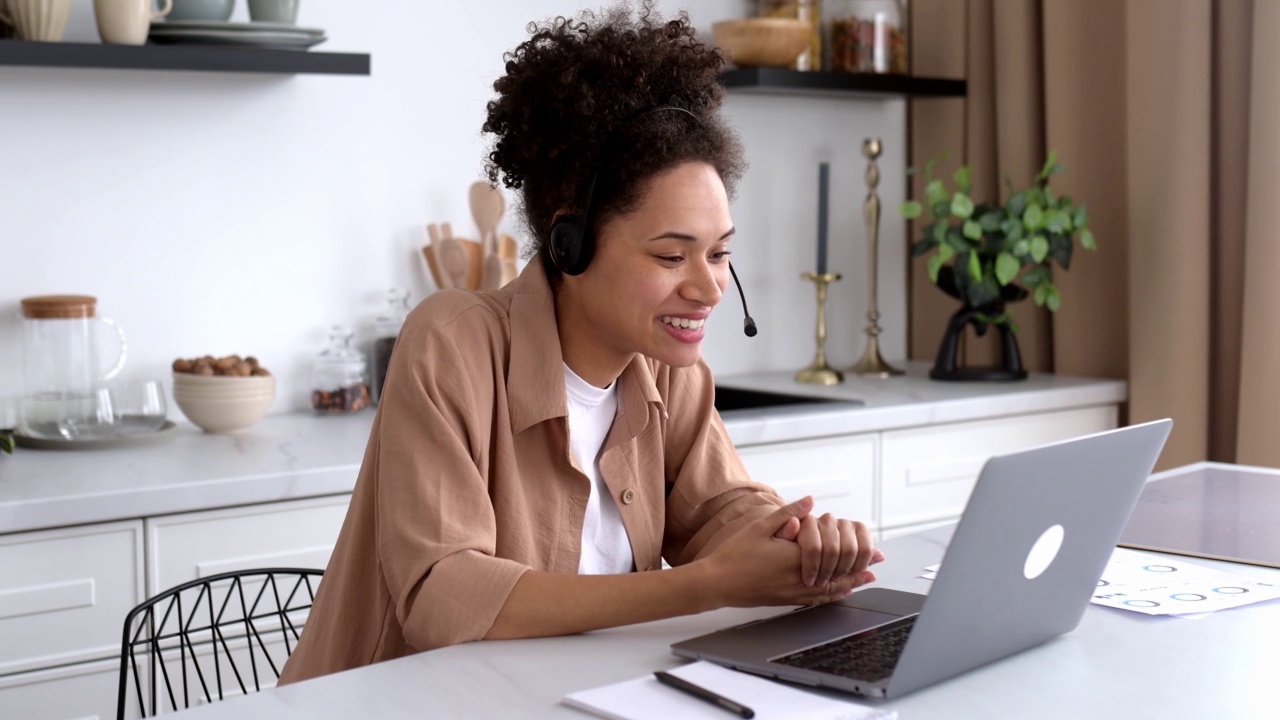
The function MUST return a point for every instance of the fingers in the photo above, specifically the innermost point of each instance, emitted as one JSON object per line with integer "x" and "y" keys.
{"x": 810, "y": 541}
{"x": 877, "y": 556}
{"x": 775, "y": 520}
{"x": 829, "y": 557}
{"x": 789, "y": 531}
{"x": 848, "y": 548}
{"x": 866, "y": 546}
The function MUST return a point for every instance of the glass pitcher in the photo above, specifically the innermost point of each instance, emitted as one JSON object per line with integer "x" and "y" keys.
{"x": 63, "y": 371}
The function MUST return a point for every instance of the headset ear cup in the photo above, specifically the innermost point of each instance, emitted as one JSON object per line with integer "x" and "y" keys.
{"x": 566, "y": 246}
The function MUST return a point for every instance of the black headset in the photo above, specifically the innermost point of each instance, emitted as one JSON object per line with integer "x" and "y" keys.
{"x": 572, "y": 244}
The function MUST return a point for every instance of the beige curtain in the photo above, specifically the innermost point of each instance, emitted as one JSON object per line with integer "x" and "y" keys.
{"x": 1165, "y": 114}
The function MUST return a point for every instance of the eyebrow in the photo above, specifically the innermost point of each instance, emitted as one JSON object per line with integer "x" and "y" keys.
{"x": 685, "y": 236}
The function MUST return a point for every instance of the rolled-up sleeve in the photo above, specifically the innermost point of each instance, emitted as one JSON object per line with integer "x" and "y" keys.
{"x": 436, "y": 529}
{"x": 710, "y": 494}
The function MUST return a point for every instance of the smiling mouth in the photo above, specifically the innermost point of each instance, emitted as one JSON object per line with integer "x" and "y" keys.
{"x": 683, "y": 323}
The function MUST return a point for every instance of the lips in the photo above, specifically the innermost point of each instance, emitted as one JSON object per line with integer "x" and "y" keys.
{"x": 684, "y": 329}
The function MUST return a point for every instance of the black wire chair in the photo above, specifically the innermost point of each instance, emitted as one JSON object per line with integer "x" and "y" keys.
{"x": 213, "y": 638}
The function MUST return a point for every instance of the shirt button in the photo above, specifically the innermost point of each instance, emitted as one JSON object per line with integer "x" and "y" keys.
{"x": 628, "y": 496}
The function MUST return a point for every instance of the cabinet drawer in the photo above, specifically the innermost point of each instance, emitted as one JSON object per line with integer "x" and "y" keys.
{"x": 85, "y": 691}
{"x": 285, "y": 534}
{"x": 928, "y": 473}
{"x": 64, "y": 593}
{"x": 838, "y": 472}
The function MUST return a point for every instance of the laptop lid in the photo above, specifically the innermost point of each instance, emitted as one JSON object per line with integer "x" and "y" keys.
{"x": 1026, "y": 556}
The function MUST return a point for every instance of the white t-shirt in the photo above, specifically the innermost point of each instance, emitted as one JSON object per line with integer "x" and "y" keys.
{"x": 605, "y": 547}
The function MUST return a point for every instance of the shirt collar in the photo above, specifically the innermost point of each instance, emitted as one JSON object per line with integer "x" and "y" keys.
{"x": 535, "y": 376}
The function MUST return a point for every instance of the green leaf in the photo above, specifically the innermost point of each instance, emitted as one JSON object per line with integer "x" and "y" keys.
{"x": 1035, "y": 276}
{"x": 1086, "y": 240}
{"x": 935, "y": 264}
{"x": 1012, "y": 325}
{"x": 957, "y": 240}
{"x": 1017, "y": 204}
{"x": 935, "y": 193}
{"x": 1042, "y": 291}
{"x": 1039, "y": 248}
{"x": 972, "y": 230}
{"x": 1052, "y": 300}
{"x": 922, "y": 246}
{"x": 962, "y": 178}
{"x": 1022, "y": 248}
{"x": 911, "y": 209}
{"x": 6, "y": 441}
{"x": 991, "y": 221}
{"x": 1048, "y": 165}
{"x": 941, "y": 211}
{"x": 1008, "y": 184}
{"x": 1006, "y": 268}
{"x": 1056, "y": 222}
{"x": 1080, "y": 218}
{"x": 946, "y": 252}
{"x": 1012, "y": 229}
{"x": 961, "y": 205}
{"x": 975, "y": 266}
{"x": 1033, "y": 218}
{"x": 940, "y": 232}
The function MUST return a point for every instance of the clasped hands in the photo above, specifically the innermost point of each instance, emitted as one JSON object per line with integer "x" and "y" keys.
{"x": 791, "y": 557}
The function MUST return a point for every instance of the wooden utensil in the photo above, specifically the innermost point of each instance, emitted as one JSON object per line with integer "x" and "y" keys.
{"x": 431, "y": 253}
{"x": 487, "y": 206}
{"x": 508, "y": 251}
{"x": 453, "y": 257}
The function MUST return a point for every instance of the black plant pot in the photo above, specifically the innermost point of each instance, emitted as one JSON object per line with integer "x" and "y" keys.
{"x": 946, "y": 365}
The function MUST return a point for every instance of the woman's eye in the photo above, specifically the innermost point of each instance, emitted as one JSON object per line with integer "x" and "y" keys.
{"x": 670, "y": 258}
{"x": 721, "y": 256}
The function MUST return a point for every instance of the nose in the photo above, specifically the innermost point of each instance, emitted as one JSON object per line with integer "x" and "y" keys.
{"x": 705, "y": 282}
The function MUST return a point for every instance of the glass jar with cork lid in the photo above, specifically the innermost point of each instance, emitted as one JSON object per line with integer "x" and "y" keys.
{"x": 869, "y": 36}
{"x": 386, "y": 328}
{"x": 807, "y": 10}
{"x": 339, "y": 383}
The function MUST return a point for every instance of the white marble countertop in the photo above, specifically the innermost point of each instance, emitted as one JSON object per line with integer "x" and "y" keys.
{"x": 910, "y": 400}
{"x": 300, "y": 455}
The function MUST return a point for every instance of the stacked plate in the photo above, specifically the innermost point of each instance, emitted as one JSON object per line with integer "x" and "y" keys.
{"x": 278, "y": 36}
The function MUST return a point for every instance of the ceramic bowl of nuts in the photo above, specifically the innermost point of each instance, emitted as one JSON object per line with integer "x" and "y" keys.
{"x": 222, "y": 394}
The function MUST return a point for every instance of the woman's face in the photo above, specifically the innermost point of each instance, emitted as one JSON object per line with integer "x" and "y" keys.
{"x": 656, "y": 275}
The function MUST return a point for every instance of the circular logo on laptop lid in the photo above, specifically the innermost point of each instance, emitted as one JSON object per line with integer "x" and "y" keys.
{"x": 1043, "y": 552}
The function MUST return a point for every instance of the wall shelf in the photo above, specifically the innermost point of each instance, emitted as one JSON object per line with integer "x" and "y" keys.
{"x": 778, "y": 81}
{"x": 211, "y": 58}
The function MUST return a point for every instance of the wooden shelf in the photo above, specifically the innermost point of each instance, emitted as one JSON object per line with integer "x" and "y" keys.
{"x": 777, "y": 81}
{"x": 211, "y": 58}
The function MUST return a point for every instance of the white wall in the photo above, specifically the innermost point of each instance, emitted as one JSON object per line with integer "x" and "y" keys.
{"x": 234, "y": 213}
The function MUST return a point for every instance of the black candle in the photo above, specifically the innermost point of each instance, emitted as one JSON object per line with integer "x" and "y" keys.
{"x": 823, "y": 173}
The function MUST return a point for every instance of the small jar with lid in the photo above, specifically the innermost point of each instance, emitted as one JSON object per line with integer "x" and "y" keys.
{"x": 386, "y": 328}
{"x": 338, "y": 382}
{"x": 869, "y": 36}
{"x": 808, "y": 10}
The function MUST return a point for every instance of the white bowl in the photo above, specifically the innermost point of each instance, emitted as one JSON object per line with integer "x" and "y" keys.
{"x": 226, "y": 407}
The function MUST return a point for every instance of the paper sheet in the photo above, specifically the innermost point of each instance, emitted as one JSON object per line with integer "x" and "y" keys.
{"x": 645, "y": 698}
{"x": 1160, "y": 585}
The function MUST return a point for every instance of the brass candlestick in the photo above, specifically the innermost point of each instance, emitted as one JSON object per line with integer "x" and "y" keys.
{"x": 819, "y": 372}
{"x": 871, "y": 362}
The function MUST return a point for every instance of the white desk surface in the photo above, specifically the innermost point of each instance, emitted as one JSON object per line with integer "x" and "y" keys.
{"x": 1116, "y": 664}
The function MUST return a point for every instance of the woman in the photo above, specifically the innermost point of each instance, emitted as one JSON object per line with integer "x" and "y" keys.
{"x": 539, "y": 449}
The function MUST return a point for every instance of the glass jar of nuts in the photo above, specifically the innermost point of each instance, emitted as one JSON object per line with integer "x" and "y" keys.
{"x": 338, "y": 377}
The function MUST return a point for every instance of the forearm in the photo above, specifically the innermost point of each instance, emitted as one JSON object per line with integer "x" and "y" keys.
{"x": 544, "y": 604}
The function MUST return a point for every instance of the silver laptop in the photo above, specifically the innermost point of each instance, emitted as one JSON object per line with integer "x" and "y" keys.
{"x": 1022, "y": 564}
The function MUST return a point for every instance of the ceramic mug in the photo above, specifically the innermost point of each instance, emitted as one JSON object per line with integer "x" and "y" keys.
{"x": 275, "y": 11}
{"x": 126, "y": 22}
{"x": 43, "y": 20}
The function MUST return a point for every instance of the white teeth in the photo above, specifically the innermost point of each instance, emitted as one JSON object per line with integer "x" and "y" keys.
{"x": 684, "y": 323}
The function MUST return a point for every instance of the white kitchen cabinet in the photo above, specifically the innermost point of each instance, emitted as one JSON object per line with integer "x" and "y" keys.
{"x": 300, "y": 533}
{"x": 838, "y": 472}
{"x": 64, "y": 593}
{"x": 84, "y": 691}
{"x": 927, "y": 473}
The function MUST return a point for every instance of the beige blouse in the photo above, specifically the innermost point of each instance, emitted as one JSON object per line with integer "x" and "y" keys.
{"x": 467, "y": 480}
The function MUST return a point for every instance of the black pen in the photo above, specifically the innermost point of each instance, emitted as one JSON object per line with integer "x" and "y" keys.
{"x": 704, "y": 694}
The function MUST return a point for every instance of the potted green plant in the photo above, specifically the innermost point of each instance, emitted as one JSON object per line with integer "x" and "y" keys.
{"x": 989, "y": 255}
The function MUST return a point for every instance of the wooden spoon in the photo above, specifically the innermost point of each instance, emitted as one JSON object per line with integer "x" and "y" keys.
{"x": 487, "y": 206}
{"x": 434, "y": 263}
{"x": 453, "y": 256}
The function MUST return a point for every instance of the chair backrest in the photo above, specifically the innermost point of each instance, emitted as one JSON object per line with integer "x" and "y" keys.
{"x": 212, "y": 638}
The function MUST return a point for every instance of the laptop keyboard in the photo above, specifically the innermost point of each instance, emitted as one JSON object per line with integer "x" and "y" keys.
{"x": 869, "y": 656}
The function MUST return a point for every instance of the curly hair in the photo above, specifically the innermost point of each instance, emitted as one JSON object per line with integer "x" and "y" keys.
{"x": 572, "y": 107}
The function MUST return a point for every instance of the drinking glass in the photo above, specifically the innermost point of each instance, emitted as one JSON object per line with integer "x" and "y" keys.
{"x": 139, "y": 406}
